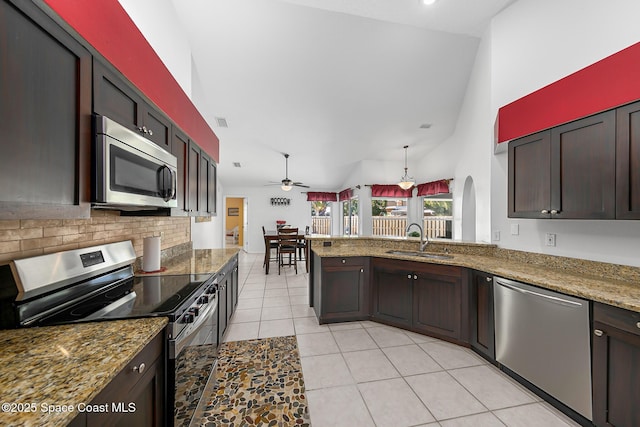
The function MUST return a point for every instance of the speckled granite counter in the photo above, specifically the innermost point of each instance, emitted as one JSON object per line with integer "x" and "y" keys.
{"x": 65, "y": 365}
{"x": 196, "y": 261}
{"x": 586, "y": 279}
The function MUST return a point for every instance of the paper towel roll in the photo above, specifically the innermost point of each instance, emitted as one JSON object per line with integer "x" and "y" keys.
{"x": 151, "y": 254}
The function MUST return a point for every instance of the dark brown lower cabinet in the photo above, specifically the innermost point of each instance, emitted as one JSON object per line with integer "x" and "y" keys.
{"x": 616, "y": 366}
{"x": 392, "y": 289}
{"x": 344, "y": 294}
{"x": 135, "y": 397}
{"x": 481, "y": 322}
{"x": 438, "y": 301}
{"x": 425, "y": 298}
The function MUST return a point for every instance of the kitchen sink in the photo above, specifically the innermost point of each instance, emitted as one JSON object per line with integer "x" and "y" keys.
{"x": 420, "y": 254}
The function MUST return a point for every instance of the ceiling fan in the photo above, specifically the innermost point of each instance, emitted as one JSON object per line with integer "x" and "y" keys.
{"x": 286, "y": 184}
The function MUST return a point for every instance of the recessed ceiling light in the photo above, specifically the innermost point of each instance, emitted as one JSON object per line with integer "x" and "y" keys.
{"x": 425, "y": 126}
{"x": 236, "y": 164}
{"x": 428, "y": 2}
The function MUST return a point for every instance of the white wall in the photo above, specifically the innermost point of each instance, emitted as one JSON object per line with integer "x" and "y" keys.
{"x": 469, "y": 150}
{"x": 261, "y": 213}
{"x": 156, "y": 20}
{"x": 534, "y": 43}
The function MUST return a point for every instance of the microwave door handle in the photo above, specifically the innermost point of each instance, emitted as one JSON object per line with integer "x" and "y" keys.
{"x": 165, "y": 192}
{"x": 174, "y": 183}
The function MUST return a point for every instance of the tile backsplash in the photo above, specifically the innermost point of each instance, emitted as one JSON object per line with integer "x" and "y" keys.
{"x": 27, "y": 238}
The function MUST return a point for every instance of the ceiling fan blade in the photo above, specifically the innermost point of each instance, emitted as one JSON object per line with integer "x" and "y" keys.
{"x": 299, "y": 184}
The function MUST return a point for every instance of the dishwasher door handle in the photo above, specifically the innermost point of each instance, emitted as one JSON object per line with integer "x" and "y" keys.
{"x": 552, "y": 299}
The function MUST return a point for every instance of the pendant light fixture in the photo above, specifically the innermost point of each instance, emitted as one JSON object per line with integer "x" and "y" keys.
{"x": 406, "y": 182}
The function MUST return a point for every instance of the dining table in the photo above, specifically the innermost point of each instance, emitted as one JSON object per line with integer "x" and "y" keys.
{"x": 272, "y": 236}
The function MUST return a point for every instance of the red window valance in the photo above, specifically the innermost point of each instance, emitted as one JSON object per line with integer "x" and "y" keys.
{"x": 321, "y": 197}
{"x": 434, "y": 187}
{"x": 378, "y": 190}
{"x": 345, "y": 194}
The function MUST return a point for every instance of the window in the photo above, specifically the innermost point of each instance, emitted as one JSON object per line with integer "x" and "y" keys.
{"x": 350, "y": 217}
{"x": 438, "y": 216}
{"x": 320, "y": 217}
{"x": 389, "y": 217}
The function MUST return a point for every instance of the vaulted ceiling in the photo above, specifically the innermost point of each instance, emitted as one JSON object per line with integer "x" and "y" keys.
{"x": 331, "y": 82}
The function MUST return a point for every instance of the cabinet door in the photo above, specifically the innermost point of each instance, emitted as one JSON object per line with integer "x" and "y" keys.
{"x": 136, "y": 396}
{"x": 180, "y": 149}
{"x": 616, "y": 367}
{"x": 194, "y": 179}
{"x": 529, "y": 176}
{"x": 45, "y": 110}
{"x": 158, "y": 127}
{"x": 628, "y": 162}
{"x": 437, "y": 304}
{"x": 222, "y": 309}
{"x": 344, "y": 290}
{"x": 114, "y": 99}
{"x": 203, "y": 196}
{"x": 482, "y": 337}
{"x": 392, "y": 293}
{"x": 212, "y": 187}
{"x": 583, "y": 168}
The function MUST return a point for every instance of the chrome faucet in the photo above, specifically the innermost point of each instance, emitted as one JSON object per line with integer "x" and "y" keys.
{"x": 424, "y": 244}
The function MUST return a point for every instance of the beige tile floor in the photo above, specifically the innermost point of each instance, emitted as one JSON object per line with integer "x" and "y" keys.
{"x": 368, "y": 374}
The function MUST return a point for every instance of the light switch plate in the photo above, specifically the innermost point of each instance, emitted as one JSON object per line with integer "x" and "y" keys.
{"x": 496, "y": 235}
{"x": 515, "y": 229}
{"x": 550, "y": 239}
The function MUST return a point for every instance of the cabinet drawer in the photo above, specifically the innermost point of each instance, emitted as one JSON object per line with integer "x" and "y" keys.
{"x": 343, "y": 261}
{"x": 625, "y": 320}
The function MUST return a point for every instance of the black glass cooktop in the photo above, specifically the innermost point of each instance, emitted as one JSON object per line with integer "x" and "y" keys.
{"x": 134, "y": 297}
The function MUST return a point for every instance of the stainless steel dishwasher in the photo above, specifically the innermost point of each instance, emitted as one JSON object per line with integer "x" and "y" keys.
{"x": 543, "y": 336}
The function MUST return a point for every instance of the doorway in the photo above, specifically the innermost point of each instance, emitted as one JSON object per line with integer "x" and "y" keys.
{"x": 234, "y": 222}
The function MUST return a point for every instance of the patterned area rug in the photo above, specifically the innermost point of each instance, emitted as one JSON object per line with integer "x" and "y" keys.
{"x": 258, "y": 383}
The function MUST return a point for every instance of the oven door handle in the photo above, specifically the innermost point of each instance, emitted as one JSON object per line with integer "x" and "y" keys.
{"x": 189, "y": 333}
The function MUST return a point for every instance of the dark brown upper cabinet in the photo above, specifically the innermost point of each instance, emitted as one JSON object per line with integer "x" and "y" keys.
{"x": 45, "y": 109}
{"x": 566, "y": 172}
{"x": 116, "y": 99}
{"x": 180, "y": 149}
{"x": 628, "y": 162}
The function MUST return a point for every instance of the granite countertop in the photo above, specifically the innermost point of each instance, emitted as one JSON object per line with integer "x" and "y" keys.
{"x": 65, "y": 365}
{"x": 620, "y": 293}
{"x": 196, "y": 261}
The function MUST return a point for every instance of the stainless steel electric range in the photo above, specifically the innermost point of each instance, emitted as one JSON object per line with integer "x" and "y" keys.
{"x": 97, "y": 284}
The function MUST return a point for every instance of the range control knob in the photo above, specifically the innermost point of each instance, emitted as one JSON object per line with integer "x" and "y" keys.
{"x": 188, "y": 318}
{"x": 194, "y": 311}
{"x": 204, "y": 299}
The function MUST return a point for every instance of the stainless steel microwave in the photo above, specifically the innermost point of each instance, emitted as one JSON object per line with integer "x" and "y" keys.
{"x": 131, "y": 171}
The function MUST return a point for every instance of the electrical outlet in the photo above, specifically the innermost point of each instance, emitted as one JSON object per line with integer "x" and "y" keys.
{"x": 496, "y": 235}
{"x": 550, "y": 239}
{"x": 515, "y": 229}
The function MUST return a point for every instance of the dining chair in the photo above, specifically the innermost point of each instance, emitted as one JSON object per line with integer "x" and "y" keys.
{"x": 288, "y": 244}
{"x": 302, "y": 248}
{"x": 269, "y": 245}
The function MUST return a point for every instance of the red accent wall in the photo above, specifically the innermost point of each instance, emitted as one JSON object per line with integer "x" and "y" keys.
{"x": 609, "y": 83}
{"x": 108, "y": 28}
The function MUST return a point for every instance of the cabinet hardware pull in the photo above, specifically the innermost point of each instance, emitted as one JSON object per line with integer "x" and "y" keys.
{"x": 362, "y": 271}
{"x": 554, "y": 211}
{"x": 408, "y": 276}
{"x": 544, "y": 211}
{"x": 344, "y": 261}
{"x": 488, "y": 279}
{"x": 139, "y": 369}
{"x": 638, "y": 324}
{"x": 415, "y": 277}
{"x": 597, "y": 332}
{"x": 150, "y": 132}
